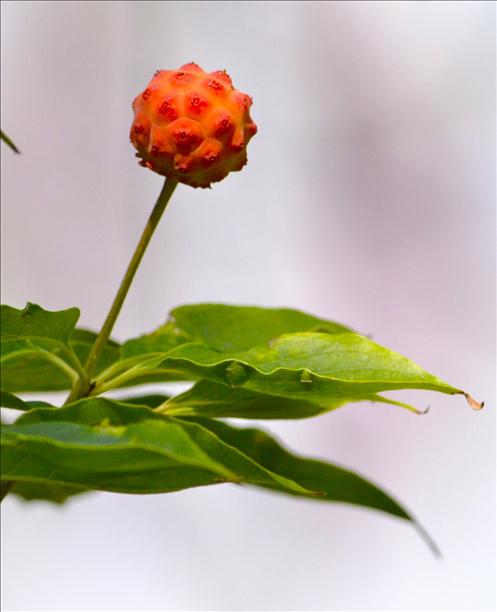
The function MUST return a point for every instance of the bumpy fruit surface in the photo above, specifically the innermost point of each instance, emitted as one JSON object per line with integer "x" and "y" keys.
{"x": 192, "y": 126}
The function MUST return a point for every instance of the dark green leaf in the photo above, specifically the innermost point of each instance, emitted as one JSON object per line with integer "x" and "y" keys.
{"x": 106, "y": 445}
{"x": 8, "y": 400}
{"x": 335, "y": 483}
{"x": 213, "y": 400}
{"x": 152, "y": 401}
{"x": 8, "y": 141}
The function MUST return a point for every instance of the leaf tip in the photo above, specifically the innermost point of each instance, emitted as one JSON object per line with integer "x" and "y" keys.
{"x": 432, "y": 545}
{"x": 9, "y": 142}
{"x": 473, "y": 403}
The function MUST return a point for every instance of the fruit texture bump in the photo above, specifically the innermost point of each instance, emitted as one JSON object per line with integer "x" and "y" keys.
{"x": 192, "y": 126}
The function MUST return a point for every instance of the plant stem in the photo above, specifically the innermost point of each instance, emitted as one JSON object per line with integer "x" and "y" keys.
{"x": 83, "y": 387}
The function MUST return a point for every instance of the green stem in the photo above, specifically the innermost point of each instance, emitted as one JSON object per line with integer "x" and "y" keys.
{"x": 83, "y": 387}
{"x": 113, "y": 383}
{"x": 132, "y": 374}
{"x": 82, "y": 382}
{"x": 120, "y": 366}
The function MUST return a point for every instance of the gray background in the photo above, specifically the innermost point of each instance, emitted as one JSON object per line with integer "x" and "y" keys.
{"x": 368, "y": 198}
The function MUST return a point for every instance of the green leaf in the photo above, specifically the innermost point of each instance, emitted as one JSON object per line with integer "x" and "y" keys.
{"x": 332, "y": 482}
{"x": 100, "y": 444}
{"x": 42, "y": 351}
{"x": 152, "y": 401}
{"x": 281, "y": 353}
{"x": 227, "y": 328}
{"x": 81, "y": 342}
{"x": 9, "y": 400}
{"x": 8, "y": 141}
{"x": 336, "y": 484}
{"x": 35, "y": 323}
{"x": 319, "y": 365}
{"x": 318, "y": 368}
{"x": 35, "y": 344}
{"x": 214, "y": 400}
{"x": 313, "y": 366}
{"x": 32, "y": 370}
{"x": 163, "y": 339}
{"x": 24, "y": 370}
{"x": 107, "y": 445}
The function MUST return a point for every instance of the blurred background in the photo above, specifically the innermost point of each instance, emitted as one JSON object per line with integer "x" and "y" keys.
{"x": 369, "y": 198}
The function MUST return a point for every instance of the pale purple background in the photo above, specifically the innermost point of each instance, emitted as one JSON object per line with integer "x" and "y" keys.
{"x": 368, "y": 198}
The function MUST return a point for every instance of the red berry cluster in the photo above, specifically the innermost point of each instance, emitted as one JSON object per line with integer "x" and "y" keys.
{"x": 192, "y": 126}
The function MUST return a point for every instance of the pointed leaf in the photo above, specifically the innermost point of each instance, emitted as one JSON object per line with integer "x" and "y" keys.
{"x": 209, "y": 399}
{"x": 8, "y": 142}
{"x": 9, "y": 400}
{"x": 335, "y": 484}
{"x": 312, "y": 367}
{"x": 319, "y": 364}
{"x": 107, "y": 445}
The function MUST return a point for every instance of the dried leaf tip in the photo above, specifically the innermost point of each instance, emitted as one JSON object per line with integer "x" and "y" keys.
{"x": 473, "y": 403}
